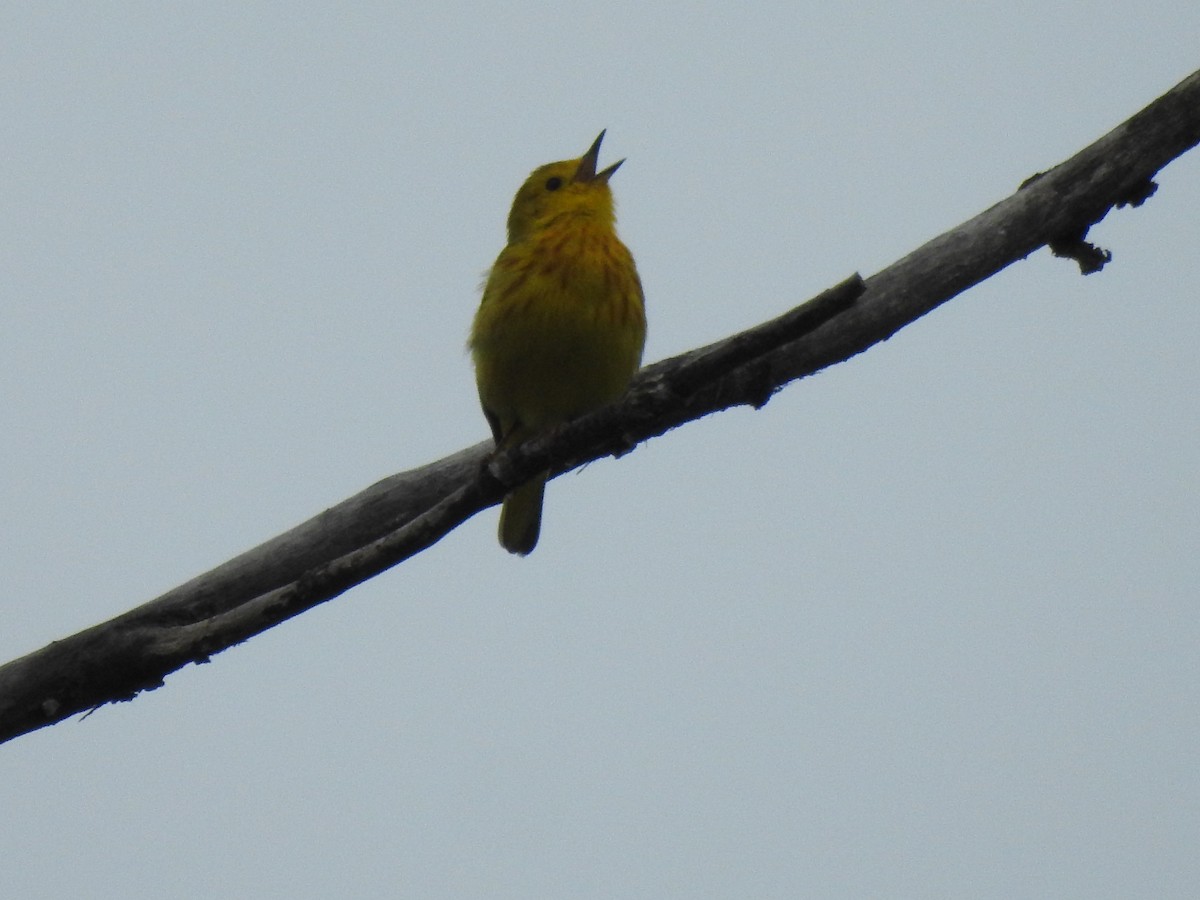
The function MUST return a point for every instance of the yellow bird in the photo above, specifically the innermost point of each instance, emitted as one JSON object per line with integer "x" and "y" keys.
{"x": 562, "y": 323}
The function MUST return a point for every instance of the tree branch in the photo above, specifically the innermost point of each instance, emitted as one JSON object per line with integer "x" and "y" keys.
{"x": 402, "y": 515}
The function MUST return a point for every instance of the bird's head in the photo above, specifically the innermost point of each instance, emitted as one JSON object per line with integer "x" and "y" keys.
{"x": 568, "y": 187}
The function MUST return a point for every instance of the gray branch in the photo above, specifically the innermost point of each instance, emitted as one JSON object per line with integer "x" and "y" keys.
{"x": 402, "y": 515}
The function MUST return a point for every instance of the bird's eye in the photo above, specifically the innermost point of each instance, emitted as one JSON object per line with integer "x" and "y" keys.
{"x": 553, "y": 184}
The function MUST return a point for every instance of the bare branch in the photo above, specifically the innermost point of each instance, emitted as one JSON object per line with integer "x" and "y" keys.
{"x": 404, "y": 514}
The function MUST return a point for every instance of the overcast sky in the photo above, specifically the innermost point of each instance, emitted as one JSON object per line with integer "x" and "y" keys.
{"x": 925, "y": 626}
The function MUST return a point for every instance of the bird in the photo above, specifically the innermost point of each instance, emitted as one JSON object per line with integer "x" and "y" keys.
{"x": 561, "y": 325}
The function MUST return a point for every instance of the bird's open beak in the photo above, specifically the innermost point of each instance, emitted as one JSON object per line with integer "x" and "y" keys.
{"x": 587, "y": 165}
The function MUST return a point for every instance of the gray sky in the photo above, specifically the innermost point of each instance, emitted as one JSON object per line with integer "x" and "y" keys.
{"x": 925, "y": 626}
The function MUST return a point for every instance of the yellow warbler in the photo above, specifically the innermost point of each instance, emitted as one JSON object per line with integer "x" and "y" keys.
{"x": 562, "y": 323}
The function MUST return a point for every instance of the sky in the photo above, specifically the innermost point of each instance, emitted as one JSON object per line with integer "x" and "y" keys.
{"x": 924, "y": 626}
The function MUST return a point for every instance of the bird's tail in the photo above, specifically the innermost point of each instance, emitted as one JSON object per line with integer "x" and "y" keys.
{"x": 521, "y": 517}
